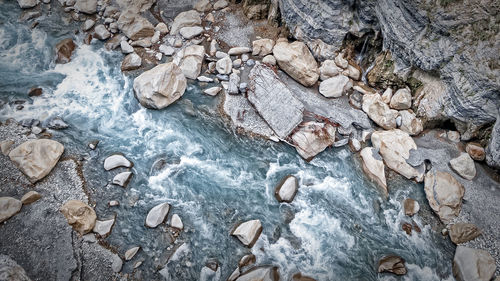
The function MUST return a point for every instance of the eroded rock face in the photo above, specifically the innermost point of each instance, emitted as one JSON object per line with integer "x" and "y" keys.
{"x": 262, "y": 273}
{"x": 160, "y": 86}
{"x": 473, "y": 264}
{"x": 36, "y": 158}
{"x": 297, "y": 61}
{"x": 463, "y": 232}
{"x": 64, "y": 50}
{"x": 11, "y": 271}
{"x": 248, "y": 232}
{"x": 374, "y": 167}
{"x": 287, "y": 188}
{"x": 135, "y": 26}
{"x": 444, "y": 194}
{"x": 79, "y": 215}
{"x": 8, "y": 207}
{"x": 312, "y": 138}
{"x": 392, "y": 264}
{"x": 379, "y": 111}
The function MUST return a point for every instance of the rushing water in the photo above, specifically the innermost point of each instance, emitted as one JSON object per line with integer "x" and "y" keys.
{"x": 337, "y": 227}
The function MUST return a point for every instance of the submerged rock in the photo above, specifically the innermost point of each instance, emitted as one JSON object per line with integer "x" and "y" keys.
{"x": 8, "y": 207}
{"x": 159, "y": 87}
{"x": 263, "y": 273}
{"x": 248, "y": 232}
{"x": 36, "y": 158}
{"x": 444, "y": 193}
{"x": 115, "y": 161}
{"x": 157, "y": 215}
{"x": 464, "y": 166}
{"x": 463, "y": 232}
{"x": 30, "y": 197}
{"x": 79, "y": 215}
{"x": 64, "y": 50}
{"x": 473, "y": 264}
{"x": 11, "y": 271}
{"x": 312, "y": 137}
{"x": 297, "y": 61}
{"x": 286, "y": 189}
{"x": 135, "y": 26}
{"x": 392, "y": 264}
{"x": 374, "y": 167}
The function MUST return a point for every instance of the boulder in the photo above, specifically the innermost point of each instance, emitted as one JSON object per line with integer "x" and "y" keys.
{"x": 224, "y": 65}
{"x": 115, "y": 161}
{"x": 88, "y": 24}
{"x": 8, "y": 207}
{"x": 297, "y": 61}
{"x": 64, "y": 50}
{"x": 248, "y": 232}
{"x": 134, "y": 26}
{"x": 341, "y": 62}
{"x": 392, "y": 264}
{"x": 160, "y": 86}
{"x": 274, "y": 101}
{"x": 328, "y": 69}
{"x": 213, "y": 91}
{"x": 463, "y": 232}
{"x": 473, "y": 264}
{"x": 189, "y": 32}
{"x": 234, "y": 81}
{"x": 103, "y": 228}
{"x": 162, "y": 28}
{"x": 269, "y": 59}
{"x": 157, "y": 215}
{"x": 260, "y": 273}
{"x": 410, "y": 123}
{"x": 373, "y": 166}
{"x": 79, "y": 215}
{"x": 122, "y": 179}
{"x": 444, "y": 194}
{"x": 166, "y": 50}
{"x": 130, "y": 253}
{"x": 131, "y": 61}
{"x": 379, "y": 111}
{"x": 286, "y": 189}
{"x": 334, "y": 87}
{"x": 411, "y": 207}
{"x": 26, "y": 4}
{"x": 312, "y": 137}
{"x": 236, "y": 51}
{"x": 262, "y": 47}
{"x": 86, "y": 6}
{"x": 101, "y": 33}
{"x": 401, "y": 99}
{"x": 475, "y": 151}
{"x": 192, "y": 61}
{"x": 36, "y": 158}
{"x": 464, "y": 166}
{"x": 176, "y": 222}
{"x": 395, "y": 146}
{"x": 246, "y": 260}
{"x": 116, "y": 264}
{"x": 387, "y": 95}
{"x": 5, "y": 146}
{"x": 220, "y": 4}
{"x": 188, "y": 18}
{"x": 353, "y": 72}
{"x": 203, "y": 6}
{"x": 11, "y": 271}
{"x": 30, "y": 197}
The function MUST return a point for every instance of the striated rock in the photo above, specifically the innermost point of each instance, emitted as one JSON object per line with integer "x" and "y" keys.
{"x": 373, "y": 166}
{"x": 190, "y": 32}
{"x": 130, "y": 253}
{"x": 286, "y": 189}
{"x": 401, "y": 99}
{"x": 262, "y": 47}
{"x": 392, "y": 264}
{"x": 272, "y": 99}
{"x": 444, "y": 193}
{"x": 248, "y": 232}
{"x": 493, "y": 148}
{"x": 464, "y": 166}
{"x": 176, "y": 222}
{"x": 328, "y": 69}
{"x": 411, "y": 207}
{"x": 160, "y": 86}
{"x": 157, "y": 215}
{"x": 188, "y": 18}
{"x": 410, "y": 123}
{"x": 334, "y": 87}
{"x": 135, "y": 26}
{"x": 11, "y": 271}
{"x": 463, "y": 232}
{"x": 192, "y": 61}
{"x": 64, "y": 50}
{"x": 429, "y": 98}
{"x": 224, "y": 65}
{"x": 379, "y": 112}
{"x": 115, "y": 161}
{"x": 262, "y": 273}
{"x": 473, "y": 264}
{"x": 36, "y": 158}
{"x": 475, "y": 151}
{"x": 79, "y": 215}
{"x": 203, "y": 6}
{"x": 8, "y": 207}
{"x": 312, "y": 137}
{"x": 86, "y": 6}
{"x": 30, "y": 197}
{"x": 101, "y": 33}
{"x": 297, "y": 61}
{"x": 26, "y": 4}
{"x": 103, "y": 228}
{"x": 395, "y": 146}
{"x": 212, "y": 91}
{"x": 122, "y": 179}
{"x": 131, "y": 62}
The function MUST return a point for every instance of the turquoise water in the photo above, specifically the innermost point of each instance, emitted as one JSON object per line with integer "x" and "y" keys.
{"x": 337, "y": 227}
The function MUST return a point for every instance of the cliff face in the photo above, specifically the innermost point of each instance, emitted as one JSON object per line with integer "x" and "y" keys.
{"x": 457, "y": 40}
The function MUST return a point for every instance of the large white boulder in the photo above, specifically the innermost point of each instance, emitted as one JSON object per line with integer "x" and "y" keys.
{"x": 379, "y": 112}
{"x": 134, "y": 26}
{"x": 157, "y": 215}
{"x": 248, "y": 232}
{"x": 464, "y": 166}
{"x": 160, "y": 86}
{"x": 262, "y": 47}
{"x": 328, "y": 69}
{"x": 473, "y": 264}
{"x": 192, "y": 60}
{"x": 312, "y": 137}
{"x": 334, "y": 87}
{"x": 188, "y": 18}
{"x": 297, "y": 61}
{"x": 286, "y": 189}
{"x": 374, "y": 167}
{"x": 444, "y": 194}
{"x": 401, "y": 99}
{"x": 115, "y": 161}
{"x": 224, "y": 65}
{"x": 36, "y": 158}
{"x": 410, "y": 123}
{"x": 8, "y": 207}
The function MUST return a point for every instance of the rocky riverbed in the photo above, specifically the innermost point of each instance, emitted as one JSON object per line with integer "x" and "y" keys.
{"x": 261, "y": 140}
